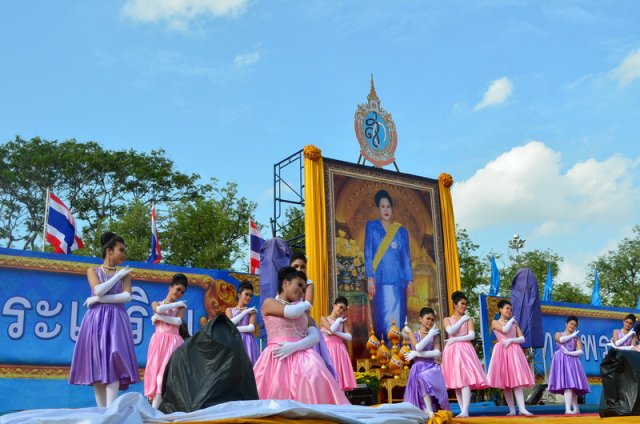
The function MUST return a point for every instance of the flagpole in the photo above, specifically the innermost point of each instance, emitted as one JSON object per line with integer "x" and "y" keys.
{"x": 46, "y": 220}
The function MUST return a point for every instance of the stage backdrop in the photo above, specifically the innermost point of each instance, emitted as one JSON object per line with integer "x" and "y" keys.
{"x": 350, "y": 191}
{"x": 42, "y": 296}
{"x": 596, "y": 325}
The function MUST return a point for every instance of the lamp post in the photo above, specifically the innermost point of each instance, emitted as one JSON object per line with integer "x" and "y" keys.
{"x": 516, "y": 243}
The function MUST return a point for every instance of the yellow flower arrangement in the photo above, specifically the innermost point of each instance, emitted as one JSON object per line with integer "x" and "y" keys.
{"x": 445, "y": 179}
{"x": 311, "y": 152}
{"x": 370, "y": 379}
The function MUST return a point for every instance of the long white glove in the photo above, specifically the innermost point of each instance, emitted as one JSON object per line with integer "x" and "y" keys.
{"x": 428, "y": 338}
{"x": 426, "y": 354}
{"x": 103, "y": 288}
{"x": 238, "y": 318}
{"x": 285, "y": 349}
{"x": 578, "y": 352}
{"x": 124, "y": 297}
{"x": 508, "y": 325}
{"x": 336, "y": 324}
{"x": 452, "y": 329}
{"x": 342, "y": 335}
{"x": 469, "y": 337}
{"x": 564, "y": 339}
{"x": 613, "y": 346}
{"x": 164, "y": 318}
{"x": 294, "y": 311}
{"x": 167, "y": 307}
{"x": 516, "y": 340}
{"x": 625, "y": 338}
{"x": 246, "y": 328}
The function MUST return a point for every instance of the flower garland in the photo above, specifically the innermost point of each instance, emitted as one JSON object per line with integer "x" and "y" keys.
{"x": 445, "y": 179}
{"x": 311, "y": 152}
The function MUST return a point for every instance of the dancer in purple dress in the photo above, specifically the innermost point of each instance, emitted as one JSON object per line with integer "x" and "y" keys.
{"x": 567, "y": 374}
{"x": 426, "y": 388}
{"x": 104, "y": 356}
{"x": 625, "y": 336}
{"x": 246, "y": 321}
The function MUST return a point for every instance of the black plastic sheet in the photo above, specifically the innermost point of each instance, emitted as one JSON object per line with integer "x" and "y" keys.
{"x": 211, "y": 367}
{"x": 620, "y": 372}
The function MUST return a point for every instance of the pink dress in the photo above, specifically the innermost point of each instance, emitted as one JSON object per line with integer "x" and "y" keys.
{"x": 340, "y": 358}
{"x": 302, "y": 376}
{"x": 509, "y": 368}
{"x": 460, "y": 364}
{"x": 163, "y": 343}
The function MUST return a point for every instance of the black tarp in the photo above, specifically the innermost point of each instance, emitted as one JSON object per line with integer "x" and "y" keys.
{"x": 211, "y": 367}
{"x": 620, "y": 372}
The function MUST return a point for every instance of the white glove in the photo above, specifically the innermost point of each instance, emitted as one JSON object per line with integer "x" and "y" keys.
{"x": 516, "y": 340}
{"x": 428, "y": 338}
{"x": 167, "y": 307}
{"x": 572, "y": 353}
{"x": 342, "y": 335}
{"x": 287, "y": 348}
{"x": 564, "y": 339}
{"x": 246, "y": 328}
{"x": 469, "y": 337}
{"x": 124, "y": 297}
{"x": 625, "y": 338}
{"x": 294, "y": 311}
{"x": 169, "y": 320}
{"x": 613, "y": 346}
{"x": 409, "y": 356}
{"x": 336, "y": 324}
{"x": 452, "y": 329}
{"x": 103, "y": 288}
{"x": 238, "y": 318}
{"x": 508, "y": 325}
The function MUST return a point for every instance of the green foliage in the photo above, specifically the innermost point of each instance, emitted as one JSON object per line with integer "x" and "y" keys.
{"x": 537, "y": 261}
{"x": 619, "y": 272}
{"x": 475, "y": 273}
{"x": 97, "y": 184}
{"x": 293, "y": 229}
{"x": 569, "y": 292}
{"x": 209, "y": 232}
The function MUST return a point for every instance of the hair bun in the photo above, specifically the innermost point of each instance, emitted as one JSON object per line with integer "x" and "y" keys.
{"x": 457, "y": 294}
{"x": 106, "y": 237}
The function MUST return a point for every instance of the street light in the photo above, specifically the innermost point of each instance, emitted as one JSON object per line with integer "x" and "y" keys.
{"x": 516, "y": 243}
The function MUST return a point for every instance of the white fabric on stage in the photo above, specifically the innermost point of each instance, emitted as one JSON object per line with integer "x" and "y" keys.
{"x": 133, "y": 408}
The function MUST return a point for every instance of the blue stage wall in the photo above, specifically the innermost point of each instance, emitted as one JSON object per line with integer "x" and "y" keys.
{"x": 596, "y": 325}
{"x": 41, "y": 301}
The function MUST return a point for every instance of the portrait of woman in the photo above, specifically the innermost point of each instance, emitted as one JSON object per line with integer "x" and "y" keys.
{"x": 387, "y": 265}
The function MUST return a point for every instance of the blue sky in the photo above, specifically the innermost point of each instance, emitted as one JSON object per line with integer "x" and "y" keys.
{"x": 533, "y": 107}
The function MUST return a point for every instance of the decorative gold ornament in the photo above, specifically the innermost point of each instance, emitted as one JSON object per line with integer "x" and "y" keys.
{"x": 373, "y": 344}
{"x": 311, "y": 152}
{"x": 445, "y": 179}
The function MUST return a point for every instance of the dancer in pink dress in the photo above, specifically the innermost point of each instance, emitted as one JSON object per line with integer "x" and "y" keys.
{"x": 460, "y": 364}
{"x": 245, "y": 320}
{"x": 168, "y": 316}
{"x": 509, "y": 369}
{"x": 334, "y": 332}
{"x": 289, "y": 368}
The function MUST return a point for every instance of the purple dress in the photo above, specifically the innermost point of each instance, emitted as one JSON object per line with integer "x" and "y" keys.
{"x": 250, "y": 343}
{"x": 626, "y": 342}
{"x": 425, "y": 378}
{"x": 567, "y": 371}
{"x": 104, "y": 352}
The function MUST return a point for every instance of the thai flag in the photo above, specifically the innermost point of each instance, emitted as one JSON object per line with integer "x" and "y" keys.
{"x": 61, "y": 227}
{"x": 255, "y": 243}
{"x": 156, "y": 253}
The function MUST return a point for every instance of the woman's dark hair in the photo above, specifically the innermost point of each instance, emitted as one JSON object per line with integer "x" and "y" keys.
{"x": 297, "y": 256}
{"x": 245, "y": 285}
{"x": 427, "y": 310}
{"x": 383, "y": 194}
{"x": 289, "y": 273}
{"x": 502, "y": 303}
{"x": 109, "y": 241}
{"x": 457, "y": 296}
{"x": 631, "y": 317}
{"x": 180, "y": 279}
{"x": 572, "y": 318}
{"x": 343, "y": 300}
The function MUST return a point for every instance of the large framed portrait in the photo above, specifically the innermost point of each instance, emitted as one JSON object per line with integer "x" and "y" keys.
{"x": 385, "y": 248}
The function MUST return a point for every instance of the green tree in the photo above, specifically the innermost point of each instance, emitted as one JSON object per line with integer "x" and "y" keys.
{"x": 474, "y": 271}
{"x": 97, "y": 184}
{"x": 619, "y": 272}
{"x": 209, "y": 232}
{"x": 537, "y": 261}
{"x": 569, "y": 292}
{"x": 293, "y": 230}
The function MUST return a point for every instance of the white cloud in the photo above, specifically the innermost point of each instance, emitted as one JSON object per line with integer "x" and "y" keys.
{"x": 247, "y": 59}
{"x": 629, "y": 69}
{"x": 526, "y": 185}
{"x": 497, "y": 93}
{"x": 178, "y": 13}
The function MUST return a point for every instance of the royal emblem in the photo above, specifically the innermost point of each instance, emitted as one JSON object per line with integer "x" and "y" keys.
{"x": 376, "y": 131}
